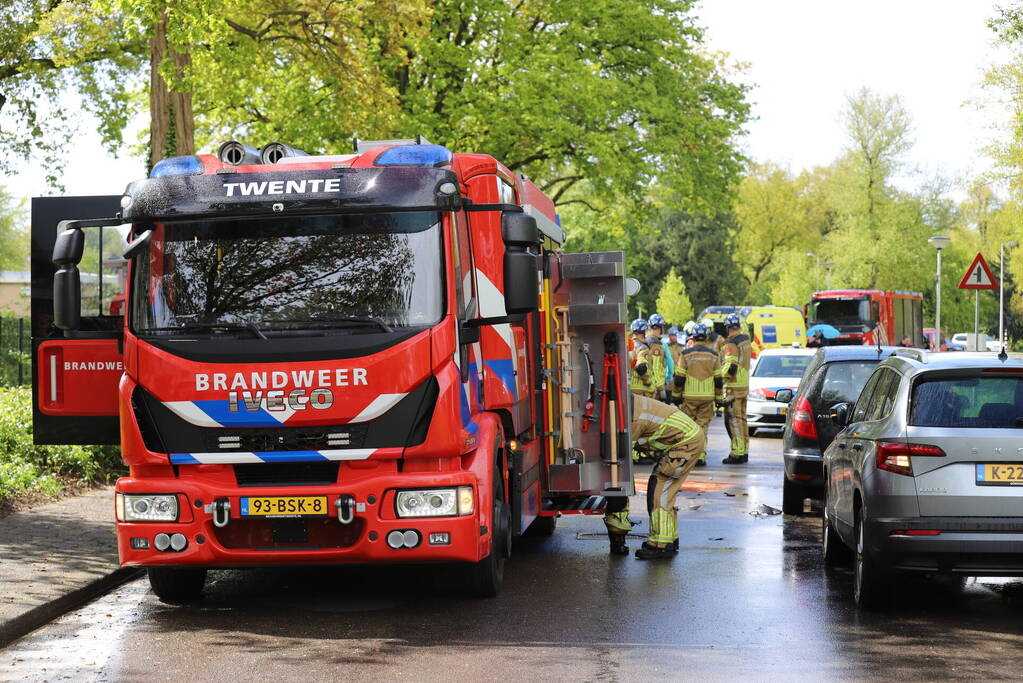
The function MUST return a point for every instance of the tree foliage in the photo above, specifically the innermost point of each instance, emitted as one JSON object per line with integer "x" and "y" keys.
{"x": 594, "y": 99}
{"x": 672, "y": 301}
{"x": 14, "y": 240}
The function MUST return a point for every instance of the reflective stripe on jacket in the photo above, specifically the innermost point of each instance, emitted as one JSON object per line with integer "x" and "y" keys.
{"x": 699, "y": 365}
{"x": 662, "y": 426}
{"x": 737, "y": 352}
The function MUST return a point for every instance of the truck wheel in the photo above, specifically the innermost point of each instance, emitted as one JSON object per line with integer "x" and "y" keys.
{"x": 542, "y": 527}
{"x": 487, "y": 576}
{"x": 792, "y": 496}
{"x": 177, "y": 584}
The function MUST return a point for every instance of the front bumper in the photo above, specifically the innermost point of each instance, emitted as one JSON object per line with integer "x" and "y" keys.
{"x": 765, "y": 414}
{"x": 978, "y": 546}
{"x": 250, "y": 541}
{"x": 804, "y": 466}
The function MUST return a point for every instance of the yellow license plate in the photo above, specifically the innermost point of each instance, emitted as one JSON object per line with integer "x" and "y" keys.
{"x": 283, "y": 506}
{"x": 1000, "y": 473}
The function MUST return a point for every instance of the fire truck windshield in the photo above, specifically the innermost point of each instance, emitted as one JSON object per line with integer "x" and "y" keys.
{"x": 842, "y": 312}
{"x": 262, "y": 277}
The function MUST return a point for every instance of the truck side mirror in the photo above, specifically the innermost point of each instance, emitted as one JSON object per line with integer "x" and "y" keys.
{"x": 67, "y": 281}
{"x": 521, "y": 273}
{"x": 783, "y": 396}
{"x": 840, "y": 414}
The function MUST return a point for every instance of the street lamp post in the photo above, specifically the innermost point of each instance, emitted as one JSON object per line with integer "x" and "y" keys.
{"x": 827, "y": 273}
{"x": 939, "y": 242}
{"x": 1001, "y": 291}
{"x": 816, "y": 270}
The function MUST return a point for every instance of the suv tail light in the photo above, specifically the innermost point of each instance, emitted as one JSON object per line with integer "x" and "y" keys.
{"x": 894, "y": 457}
{"x": 802, "y": 419}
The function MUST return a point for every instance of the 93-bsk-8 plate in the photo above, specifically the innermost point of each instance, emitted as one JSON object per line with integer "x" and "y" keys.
{"x": 283, "y": 506}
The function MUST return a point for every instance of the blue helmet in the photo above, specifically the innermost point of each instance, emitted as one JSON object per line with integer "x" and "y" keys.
{"x": 638, "y": 325}
{"x": 656, "y": 320}
{"x": 673, "y": 330}
{"x": 732, "y": 320}
{"x": 699, "y": 330}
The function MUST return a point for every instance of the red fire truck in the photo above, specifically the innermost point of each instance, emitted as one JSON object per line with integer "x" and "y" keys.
{"x": 381, "y": 356}
{"x": 869, "y": 316}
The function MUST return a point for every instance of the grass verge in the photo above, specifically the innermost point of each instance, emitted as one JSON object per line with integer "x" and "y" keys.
{"x": 31, "y": 473}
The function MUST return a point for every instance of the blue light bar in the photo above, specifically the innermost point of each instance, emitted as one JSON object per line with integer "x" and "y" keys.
{"x": 189, "y": 165}
{"x": 415, "y": 155}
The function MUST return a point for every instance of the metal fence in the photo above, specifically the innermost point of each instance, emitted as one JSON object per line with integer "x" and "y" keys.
{"x": 15, "y": 351}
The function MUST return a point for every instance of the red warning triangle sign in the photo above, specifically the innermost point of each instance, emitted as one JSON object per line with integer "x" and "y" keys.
{"x": 978, "y": 275}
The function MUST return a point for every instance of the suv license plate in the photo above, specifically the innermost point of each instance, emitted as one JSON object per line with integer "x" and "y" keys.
{"x": 283, "y": 506}
{"x": 999, "y": 474}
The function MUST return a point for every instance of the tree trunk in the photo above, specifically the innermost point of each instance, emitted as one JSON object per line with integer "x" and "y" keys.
{"x": 172, "y": 125}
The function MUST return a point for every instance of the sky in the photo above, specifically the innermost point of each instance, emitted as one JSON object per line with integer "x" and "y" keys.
{"x": 803, "y": 57}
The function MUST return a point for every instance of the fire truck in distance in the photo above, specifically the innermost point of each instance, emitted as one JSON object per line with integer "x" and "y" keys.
{"x": 869, "y": 316}
{"x": 381, "y": 356}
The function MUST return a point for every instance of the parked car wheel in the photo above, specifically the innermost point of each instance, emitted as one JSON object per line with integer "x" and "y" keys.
{"x": 792, "y": 496}
{"x": 836, "y": 553}
{"x": 870, "y": 588}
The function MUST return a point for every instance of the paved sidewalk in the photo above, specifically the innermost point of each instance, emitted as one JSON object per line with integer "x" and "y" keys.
{"x": 55, "y": 557}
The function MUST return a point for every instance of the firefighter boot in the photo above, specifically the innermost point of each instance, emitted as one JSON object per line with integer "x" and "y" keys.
{"x": 736, "y": 460}
{"x": 618, "y": 546}
{"x": 651, "y": 552}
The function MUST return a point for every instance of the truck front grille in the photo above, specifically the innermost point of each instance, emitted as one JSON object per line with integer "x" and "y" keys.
{"x": 285, "y": 439}
{"x": 321, "y": 473}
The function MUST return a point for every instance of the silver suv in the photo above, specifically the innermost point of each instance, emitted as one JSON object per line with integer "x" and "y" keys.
{"x": 927, "y": 473}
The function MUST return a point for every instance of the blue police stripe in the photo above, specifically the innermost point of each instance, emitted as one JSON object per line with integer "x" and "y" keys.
{"x": 183, "y": 459}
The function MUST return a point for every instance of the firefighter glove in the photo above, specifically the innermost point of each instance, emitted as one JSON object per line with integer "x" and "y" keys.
{"x": 679, "y": 381}
{"x": 641, "y": 369}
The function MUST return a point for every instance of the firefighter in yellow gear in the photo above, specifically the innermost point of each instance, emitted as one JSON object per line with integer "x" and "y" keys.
{"x": 675, "y": 348}
{"x": 736, "y": 357}
{"x": 677, "y": 441}
{"x": 642, "y": 374}
{"x": 699, "y": 382}
{"x": 660, "y": 361}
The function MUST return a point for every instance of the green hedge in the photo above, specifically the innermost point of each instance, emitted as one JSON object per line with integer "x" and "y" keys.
{"x": 26, "y": 468}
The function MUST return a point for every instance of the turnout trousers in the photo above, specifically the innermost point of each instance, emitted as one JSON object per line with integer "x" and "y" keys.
{"x": 735, "y": 422}
{"x": 668, "y": 475}
{"x": 702, "y": 412}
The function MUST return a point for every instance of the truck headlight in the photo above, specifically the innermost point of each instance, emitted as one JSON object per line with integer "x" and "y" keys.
{"x": 433, "y": 502}
{"x": 132, "y": 507}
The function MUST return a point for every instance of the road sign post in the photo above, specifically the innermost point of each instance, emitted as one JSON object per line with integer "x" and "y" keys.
{"x": 978, "y": 276}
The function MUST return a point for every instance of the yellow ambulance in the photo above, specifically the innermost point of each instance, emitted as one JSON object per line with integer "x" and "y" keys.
{"x": 773, "y": 327}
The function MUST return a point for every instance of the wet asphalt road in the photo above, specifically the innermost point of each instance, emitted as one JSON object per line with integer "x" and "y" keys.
{"x": 748, "y": 598}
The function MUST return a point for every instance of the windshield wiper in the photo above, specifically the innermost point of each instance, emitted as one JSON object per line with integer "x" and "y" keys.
{"x": 205, "y": 327}
{"x": 333, "y": 322}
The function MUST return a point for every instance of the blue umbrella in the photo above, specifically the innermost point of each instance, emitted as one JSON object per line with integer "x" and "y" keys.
{"x": 827, "y": 331}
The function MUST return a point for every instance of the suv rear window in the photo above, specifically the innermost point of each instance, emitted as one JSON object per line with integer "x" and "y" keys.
{"x": 844, "y": 380}
{"x": 980, "y": 400}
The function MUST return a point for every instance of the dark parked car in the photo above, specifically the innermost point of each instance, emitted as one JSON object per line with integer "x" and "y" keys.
{"x": 836, "y": 374}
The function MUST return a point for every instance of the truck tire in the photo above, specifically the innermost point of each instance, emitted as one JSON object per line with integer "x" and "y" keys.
{"x": 486, "y": 577}
{"x": 542, "y": 527}
{"x": 792, "y": 496}
{"x": 177, "y": 584}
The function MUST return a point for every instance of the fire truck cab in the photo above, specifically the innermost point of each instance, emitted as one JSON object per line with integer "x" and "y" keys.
{"x": 381, "y": 356}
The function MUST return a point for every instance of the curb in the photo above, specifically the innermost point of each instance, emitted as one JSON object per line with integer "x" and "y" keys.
{"x": 15, "y": 628}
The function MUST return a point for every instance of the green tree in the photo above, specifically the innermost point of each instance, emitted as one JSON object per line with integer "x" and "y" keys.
{"x": 672, "y": 301}
{"x": 595, "y": 99}
{"x": 14, "y": 239}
